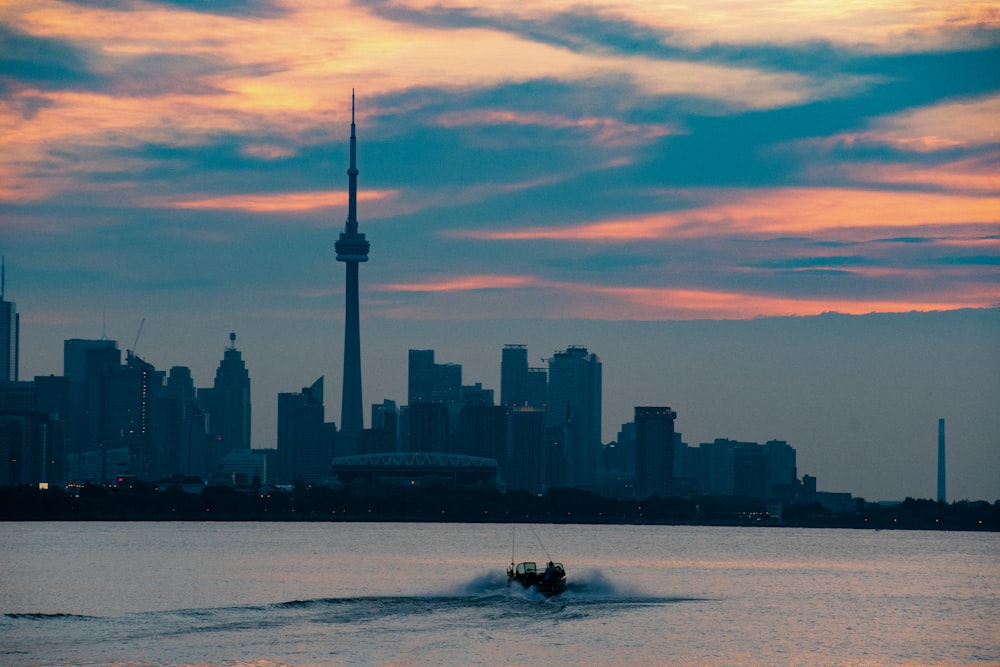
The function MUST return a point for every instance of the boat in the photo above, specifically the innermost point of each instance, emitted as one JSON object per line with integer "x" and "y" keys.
{"x": 551, "y": 581}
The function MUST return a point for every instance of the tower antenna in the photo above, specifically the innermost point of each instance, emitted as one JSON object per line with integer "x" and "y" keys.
{"x": 3, "y": 271}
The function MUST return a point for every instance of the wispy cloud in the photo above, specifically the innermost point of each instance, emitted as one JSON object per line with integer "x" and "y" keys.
{"x": 272, "y": 202}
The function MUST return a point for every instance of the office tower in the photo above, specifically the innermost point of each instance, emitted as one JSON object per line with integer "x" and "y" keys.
{"x": 429, "y": 428}
{"x": 305, "y": 441}
{"x": 941, "y": 463}
{"x": 127, "y": 396}
{"x": 179, "y": 426}
{"x": 574, "y": 405}
{"x": 483, "y": 432}
{"x": 428, "y": 382}
{"x": 85, "y": 362}
{"x": 227, "y": 406}
{"x": 420, "y": 376}
{"x": 10, "y": 329}
{"x": 782, "y": 476}
{"x": 382, "y": 437}
{"x": 352, "y": 249}
{"x": 654, "y": 450}
{"x": 514, "y": 374}
{"x": 526, "y": 437}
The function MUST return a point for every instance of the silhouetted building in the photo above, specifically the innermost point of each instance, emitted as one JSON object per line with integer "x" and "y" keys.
{"x": 526, "y": 434}
{"x": 429, "y": 382}
{"x": 241, "y": 467}
{"x": 85, "y": 362}
{"x": 227, "y": 406}
{"x": 941, "y": 477}
{"x": 306, "y": 443}
{"x": 372, "y": 472}
{"x": 384, "y": 430}
{"x": 537, "y": 387}
{"x": 179, "y": 426}
{"x": 730, "y": 467}
{"x": 574, "y": 405}
{"x": 429, "y": 428}
{"x": 30, "y": 438}
{"x": 654, "y": 450}
{"x": 10, "y": 335}
{"x": 483, "y": 431}
{"x": 352, "y": 249}
{"x": 514, "y": 374}
{"x": 127, "y": 408}
{"x": 782, "y": 471}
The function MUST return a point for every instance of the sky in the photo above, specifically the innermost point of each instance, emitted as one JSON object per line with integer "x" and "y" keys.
{"x": 781, "y": 219}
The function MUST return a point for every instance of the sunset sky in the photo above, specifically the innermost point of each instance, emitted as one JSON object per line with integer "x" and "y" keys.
{"x": 684, "y": 188}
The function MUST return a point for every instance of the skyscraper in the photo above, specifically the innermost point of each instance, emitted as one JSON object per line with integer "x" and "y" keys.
{"x": 574, "y": 405}
{"x": 654, "y": 450}
{"x": 10, "y": 325}
{"x": 305, "y": 440}
{"x": 941, "y": 491}
{"x": 514, "y": 374}
{"x": 227, "y": 404}
{"x": 352, "y": 249}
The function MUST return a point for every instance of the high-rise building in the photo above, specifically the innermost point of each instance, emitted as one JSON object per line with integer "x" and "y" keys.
{"x": 654, "y": 450}
{"x": 537, "y": 387}
{"x": 352, "y": 249}
{"x": 10, "y": 333}
{"x": 526, "y": 436}
{"x": 227, "y": 406}
{"x": 429, "y": 382}
{"x": 514, "y": 375}
{"x": 305, "y": 441}
{"x": 127, "y": 396}
{"x": 941, "y": 477}
{"x": 85, "y": 363}
{"x": 574, "y": 405}
{"x": 179, "y": 426}
{"x": 420, "y": 376}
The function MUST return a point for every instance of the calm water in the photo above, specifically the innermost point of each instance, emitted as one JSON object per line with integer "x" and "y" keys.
{"x": 136, "y": 594}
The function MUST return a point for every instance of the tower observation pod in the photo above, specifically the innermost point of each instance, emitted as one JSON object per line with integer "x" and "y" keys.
{"x": 352, "y": 248}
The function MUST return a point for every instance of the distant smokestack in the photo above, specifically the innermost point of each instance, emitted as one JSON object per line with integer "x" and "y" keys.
{"x": 941, "y": 459}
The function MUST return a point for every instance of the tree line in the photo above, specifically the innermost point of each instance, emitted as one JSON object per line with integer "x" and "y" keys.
{"x": 138, "y": 501}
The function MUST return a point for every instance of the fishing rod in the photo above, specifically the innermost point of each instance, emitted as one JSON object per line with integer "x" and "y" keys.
{"x": 547, "y": 556}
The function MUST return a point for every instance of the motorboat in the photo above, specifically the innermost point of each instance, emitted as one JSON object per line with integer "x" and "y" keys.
{"x": 550, "y": 581}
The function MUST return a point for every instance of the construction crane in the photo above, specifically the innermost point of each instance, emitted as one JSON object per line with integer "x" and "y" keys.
{"x": 139, "y": 333}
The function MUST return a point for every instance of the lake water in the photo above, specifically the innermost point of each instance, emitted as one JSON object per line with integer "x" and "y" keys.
{"x": 266, "y": 594}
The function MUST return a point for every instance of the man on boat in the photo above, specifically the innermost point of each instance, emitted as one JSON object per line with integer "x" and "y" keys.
{"x": 550, "y": 572}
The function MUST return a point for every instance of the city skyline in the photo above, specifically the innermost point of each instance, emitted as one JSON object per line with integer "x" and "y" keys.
{"x": 687, "y": 197}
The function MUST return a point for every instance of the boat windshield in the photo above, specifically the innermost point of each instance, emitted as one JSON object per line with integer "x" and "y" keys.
{"x": 526, "y": 568}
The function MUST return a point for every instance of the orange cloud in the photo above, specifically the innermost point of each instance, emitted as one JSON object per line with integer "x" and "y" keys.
{"x": 462, "y": 284}
{"x": 933, "y": 128}
{"x": 770, "y": 212}
{"x": 605, "y": 131}
{"x": 652, "y": 303}
{"x": 271, "y": 202}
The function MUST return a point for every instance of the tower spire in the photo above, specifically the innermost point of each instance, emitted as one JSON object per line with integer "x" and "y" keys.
{"x": 352, "y": 248}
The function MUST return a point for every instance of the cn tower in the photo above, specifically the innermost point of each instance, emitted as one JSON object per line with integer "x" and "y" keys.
{"x": 352, "y": 248}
